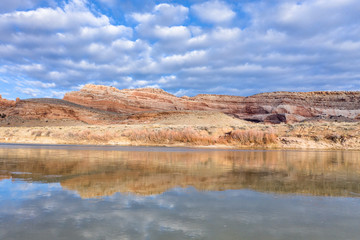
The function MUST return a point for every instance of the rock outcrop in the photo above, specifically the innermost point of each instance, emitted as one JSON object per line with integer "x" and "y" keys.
{"x": 4, "y": 103}
{"x": 55, "y": 109}
{"x": 95, "y": 104}
{"x": 274, "y": 107}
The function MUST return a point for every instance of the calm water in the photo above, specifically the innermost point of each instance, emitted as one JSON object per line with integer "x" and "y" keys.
{"x": 64, "y": 192}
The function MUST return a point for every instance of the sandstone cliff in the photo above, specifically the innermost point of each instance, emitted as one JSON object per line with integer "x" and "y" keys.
{"x": 272, "y": 107}
{"x": 95, "y": 104}
{"x": 4, "y": 103}
{"x": 15, "y": 113}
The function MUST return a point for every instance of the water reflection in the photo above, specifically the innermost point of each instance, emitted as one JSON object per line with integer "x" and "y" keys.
{"x": 96, "y": 173}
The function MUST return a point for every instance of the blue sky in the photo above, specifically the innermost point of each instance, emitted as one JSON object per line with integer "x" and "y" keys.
{"x": 49, "y": 47}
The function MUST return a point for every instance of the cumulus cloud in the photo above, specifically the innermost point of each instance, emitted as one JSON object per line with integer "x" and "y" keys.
{"x": 40, "y": 84}
{"x": 214, "y": 12}
{"x": 163, "y": 23}
{"x": 163, "y": 14}
{"x": 306, "y": 17}
{"x": 280, "y": 45}
{"x": 176, "y": 214}
{"x": 41, "y": 20}
{"x": 33, "y": 92}
{"x": 62, "y": 45}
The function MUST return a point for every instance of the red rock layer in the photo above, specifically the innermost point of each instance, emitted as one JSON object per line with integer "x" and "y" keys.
{"x": 4, "y": 103}
{"x": 272, "y": 107}
{"x": 56, "y": 109}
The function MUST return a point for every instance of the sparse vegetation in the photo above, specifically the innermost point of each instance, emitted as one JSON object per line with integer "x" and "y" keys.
{"x": 87, "y": 135}
{"x": 192, "y": 136}
{"x": 36, "y": 133}
{"x": 168, "y": 136}
{"x": 248, "y": 137}
{"x": 320, "y": 135}
{"x": 336, "y": 138}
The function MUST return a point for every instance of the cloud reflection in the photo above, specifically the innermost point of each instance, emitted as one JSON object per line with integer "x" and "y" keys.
{"x": 231, "y": 214}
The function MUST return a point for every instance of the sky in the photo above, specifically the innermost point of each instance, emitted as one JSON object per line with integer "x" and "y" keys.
{"x": 243, "y": 47}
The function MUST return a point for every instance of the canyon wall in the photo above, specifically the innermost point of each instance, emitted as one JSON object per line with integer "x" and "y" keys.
{"x": 53, "y": 109}
{"x": 274, "y": 107}
{"x": 96, "y": 104}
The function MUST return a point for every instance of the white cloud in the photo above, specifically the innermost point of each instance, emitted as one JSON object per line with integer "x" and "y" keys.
{"x": 324, "y": 13}
{"x": 167, "y": 79}
{"x": 179, "y": 61}
{"x": 175, "y": 32}
{"x": 143, "y": 17}
{"x": 214, "y": 12}
{"x": 107, "y": 32}
{"x": 61, "y": 46}
{"x": 167, "y": 14}
{"x": 39, "y": 84}
{"x": 243, "y": 68}
{"x": 74, "y": 14}
{"x": 306, "y": 17}
{"x": 163, "y": 23}
{"x": 281, "y": 45}
{"x": 226, "y": 34}
{"x": 4, "y": 80}
{"x": 33, "y": 92}
{"x": 182, "y": 92}
{"x": 163, "y": 14}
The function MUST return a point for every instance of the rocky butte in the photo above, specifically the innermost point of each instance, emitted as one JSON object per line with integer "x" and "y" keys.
{"x": 273, "y": 107}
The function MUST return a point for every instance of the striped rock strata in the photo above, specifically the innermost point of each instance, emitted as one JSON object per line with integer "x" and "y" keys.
{"x": 274, "y": 107}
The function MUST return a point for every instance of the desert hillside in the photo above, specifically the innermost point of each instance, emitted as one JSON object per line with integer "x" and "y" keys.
{"x": 272, "y": 107}
{"x": 95, "y": 104}
{"x": 106, "y": 115}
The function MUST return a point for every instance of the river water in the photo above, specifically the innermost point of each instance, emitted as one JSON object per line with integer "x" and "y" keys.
{"x": 88, "y": 192}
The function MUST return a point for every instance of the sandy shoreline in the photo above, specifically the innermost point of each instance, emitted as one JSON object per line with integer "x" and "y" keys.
{"x": 341, "y": 136}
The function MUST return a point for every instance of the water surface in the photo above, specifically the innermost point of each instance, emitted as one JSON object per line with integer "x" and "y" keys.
{"x": 79, "y": 192}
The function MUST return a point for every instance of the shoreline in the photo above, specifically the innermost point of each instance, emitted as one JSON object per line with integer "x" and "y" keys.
{"x": 156, "y": 148}
{"x": 249, "y": 136}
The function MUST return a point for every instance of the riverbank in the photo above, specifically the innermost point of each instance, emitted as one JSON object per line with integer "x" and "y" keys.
{"x": 240, "y": 134}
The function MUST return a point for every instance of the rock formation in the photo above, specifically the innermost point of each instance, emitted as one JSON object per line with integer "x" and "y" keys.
{"x": 95, "y": 104}
{"x": 55, "y": 109}
{"x": 274, "y": 107}
{"x": 4, "y": 103}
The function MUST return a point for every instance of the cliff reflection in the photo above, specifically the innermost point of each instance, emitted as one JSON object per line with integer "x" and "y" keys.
{"x": 94, "y": 173}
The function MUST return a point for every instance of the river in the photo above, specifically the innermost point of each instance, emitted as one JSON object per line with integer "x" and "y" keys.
{"x": 89, "y": 192}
